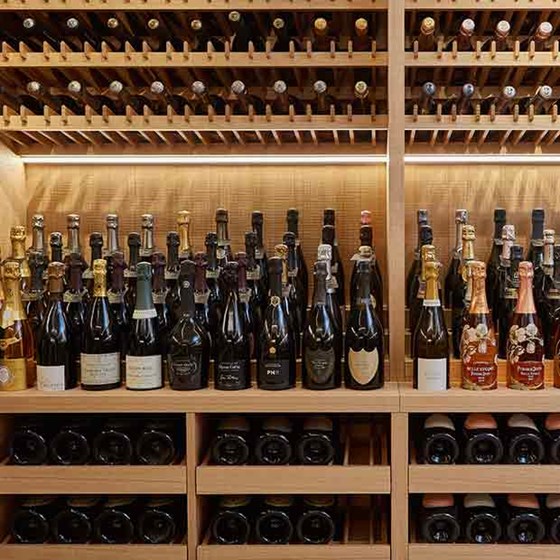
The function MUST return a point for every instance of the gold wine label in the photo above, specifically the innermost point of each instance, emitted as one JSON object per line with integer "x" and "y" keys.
{"x": 13, "y": 374}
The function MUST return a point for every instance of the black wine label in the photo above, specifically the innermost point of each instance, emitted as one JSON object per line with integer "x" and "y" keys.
{"x": 231, "y": 375}
{"x": 274, "y": 372}
{"x": 185, "y": 372}
{"x": 320, "y": 365}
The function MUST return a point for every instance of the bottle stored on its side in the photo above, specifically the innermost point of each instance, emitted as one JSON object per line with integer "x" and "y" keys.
{"x": 232, "y": 522}
{"x": 189, "y": 342}
{"x": 144, "y": 355}
{"x": 552, "y": 514}
{"x": 116, "y": 523}
{"x": 29, "y": 443}
{"x": 274, "y": 442}
{"x": 56, "y": 370}
{"x": 158, "y": 523}
{"x": 364, "y": 345}
{"x": 481, "y": 519}
{"x": 273, "y": 524}
{"x": 552, "y": 438}
{"x": 232, "y": 443}
{"x": 318, "y": 522}
{"x": 156, "y": 442}
{"x": 524, "y": 442}
{"x": 439, "y": 443}
{"x": 114, "y": 444}
{"x": 523, "y": 519}
{"x": 30, "y": 520}
{"x": 71, "y": 445}
{"x": 317, "y": 444}
{"x": 73, "y": 524}
{"x": 525, "y": 346}
{"x": 439, "y": 519}
{"x": 482, "y": 443}
{"x": 322, "y": 339}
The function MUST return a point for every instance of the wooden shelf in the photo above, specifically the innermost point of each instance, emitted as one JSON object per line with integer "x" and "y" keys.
{"x": 482, "y": 122}
{"x": 481, "y": 552}
{"x": 496, "y": 479}
{"x": 467, "y": 5}
{"x": 294, "y": 552}
{"x": 92, "y": 552}
{"x": 89, "y": 479}
{"x": 473, "y": 59}
{"x": 205, "y": 400}
{"x": 351, "y": 479}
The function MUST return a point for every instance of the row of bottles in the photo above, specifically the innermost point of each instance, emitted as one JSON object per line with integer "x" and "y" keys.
{"x": 507, "y": 307}
{"x": 198, "y": 99}
{"x": 202, "y": 32}
{"x": 463, "y": 35}
{"x": 81, "y": 440}
{"x": 484, "y": 439}
{"x": 485, "y": 519}
{"x": 93, "y": 519}
{"x": 469, "y": 102}
{"x": 176, "y": 314}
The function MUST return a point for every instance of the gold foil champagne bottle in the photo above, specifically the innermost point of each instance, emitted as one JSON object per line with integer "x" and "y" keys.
{"x": 184, "y": 228}
{"x": 17, "y": 366}
{"x": 17, "y": 240}
{"x": 479, "y": 351}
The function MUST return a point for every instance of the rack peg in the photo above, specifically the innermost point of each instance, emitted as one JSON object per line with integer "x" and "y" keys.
{"x": 516, "y": 49}
{"x": 493, "y": 50}
{"x": 88, "y": 112}
{"x": 169, "y": 50}
{"x": 350, "y": 48}
{"x": 105, "y": 50}
{"x": 439, "y": 112}
{"x": 454, "y": 50}
{"x": 64, "y": 113}
{"x": 187, "y": 114}
{"x": 292, "y": 49}
{"x": 349, "y": 114}
{"x": 531, "y": 112}
{"x": 309, "y": 49}
{"x": 477, "y": 111}
{"x": 332, "y": 113}
{"x": 415, "y": 112}
{"x": 227, "y": 50}
{"x": 105, "y": 114}
{"x": 64, "y": 50}
{"x": 532, "y": 50}
{"x": 129, "y": 50}
{"x": 211, "y": 113}
{"x": 23, "y": 50}
{"x": 129, "y": 113}
{"x": 251, "y": 50}
{"x": 251, "y": 113}
{"x": 47, "y": 115}
{"x": 146, "y": 113}
{"x": 373, "y": 49}
{"x": 186, "y": 50}
{"x": 333, "y": 49}
{"x": 415, "y": 48}
{"x": 267, "y": 48}
{"x": 6, "y": 51}
{"x": 291, "y": 112}
{"x": 454, "y": 112}
{"x": 554, "y": 115}
{"x": 516, "y": 112}
{"x": 478, "y": 49}
{"x": 146, "y": 50}
{"x": 308, "y": 112}
{"x": 555, "y": 50}
{"x": 88, "y": 49}
{"x": 228, "y": 113}
{"x": 268, "y": 112}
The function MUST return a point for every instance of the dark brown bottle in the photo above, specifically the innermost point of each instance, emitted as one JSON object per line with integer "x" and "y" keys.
{"x": 317, "y": 444}
{"x": 493, "y": 264}
{"x": 292, "y": 219}
{"x": 96, "y": 246}
{"x": 75, "y": 309}
{"x": 524, "y": 523}
{"x": 232, "y": 443}
{"x": 73, "y": 524}
{"x": 482, "y": 442}
{"x": 427, "y": 253}
{"x": 439, "y": 442}
{"x": 415, "y": 267}
{"x": 30, "y": 520}
{"x": 439, "y": 519}
{"x": 551, "y": 304}
{"x": 552, "y": 435}
{"x": 318, "y": 522}
{"x": 481, "y": 519}
{"x": 337, "y": 270}
{"x": 130, "y": 273}
{"x": 29, "y": 441}
{"x": 71, "y": 444}
{"x": 273, "y": 523}
{"x": 274, "y": 442}
{"x": 224, "y": 253}
{"x": 116, "y": 268}
{"x": 160, "y": 521}
{"x": 34, "y": 298}
{"x": 233, "y": 520}
{"x": 159, "y": 292}
{"x": 524, "y": 442}
{"x": 156, "y": 442}
{"x": 245, "y": 301}
{"x": 116, "y": 522}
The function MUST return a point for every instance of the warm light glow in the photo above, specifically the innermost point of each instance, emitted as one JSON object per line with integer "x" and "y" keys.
{"x": 496, "y": 159}
{"x": 304, "y": 159}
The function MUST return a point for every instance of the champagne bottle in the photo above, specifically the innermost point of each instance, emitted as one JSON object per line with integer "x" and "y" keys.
{"x": 322, "y": 339}
{"x": 364, "y": 351}
{"x": 294, "y": 282}
{"x": 147, "y": 247}
{"x": 277, "y": 348}
{"x": 130, "y": 273}
{"x": 96, "y": 246}
{"x": 428, "y": 254}
{"x": 535, "y": 255}
{"x": 28, "y": 442}
{"x": 112, "y": 226}
{"x": 439, "y": 519}
{"x": 244, "y": 101}
{"x": 525, "y": 346}
{"x": 38, "y": 243}
{"x": 274, "y": 442}
{"x": 159, "y": 292}
{"x": 361, "y": 39}
{"x": 245, "y": 300}
{"x": 324, "y": 254}
{"x": 75, "y": 308}
{"x": 317, "y": 523}
{"x": 361, "y": 104}
{"x": 550, "y": 304}
{"x": 55, "y": 243}
{"x": 17, "y": 240}
{"x": 224, "y": 252}
{"x": 144, "y": 356}
{"x": 116, "y": 295}
{"x": 482, "y": 440}
{"x": 216, "y": 299}
{"x": 454, "y": 283}
{"x": 431, "y": 344}
{"x": 482, "y": 519}
{"x": 416, "y": 265}
{"x": 34, "y": 299}
{"x": 427, "y": 99}
{"x": 184, "y": 227}
{"x": 56, "y": 370}
{"x": 257, "y": 225}
{"x": 232, "y": 522}
{"x": 329, "y": 238}
{"x": 231, "y": 444}
{"x": 201, "y": 293}
{"x": 273, "y": 523}
{"x": 493, "y": 264}
{"x": 189, "y": 342}
{"x": 243, "y": 28}
{"x": 233, "y": 350}
{"x": 478, "y": 338}
{"x": 293, "y": 226}
{"x": 173, "y": 264}
{"x": 317, "y": 444}
{"x": 30, "y": 520}
{"x": 523, "y": 519}
{"x": 255, "y": 278}
{"x": 524, "y": 442}
{"x": 427, "y": 36}
{"x": 115, "y": 523}
{"x": 439, "y": 443}
{"x": 284, "y": 100}
{"x": 74, "y": 246}
{"x": 17, "y": 366}
{"x": 160, "y": 521}
{"x": 100, "y": 359}
{"x": 73, "y": 524}
{"x": 205, "y": 101}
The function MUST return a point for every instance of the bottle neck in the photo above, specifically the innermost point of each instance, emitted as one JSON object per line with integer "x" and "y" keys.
{"x": 200, "y": 284}
{"x": 458, "y": 237}
{"x": 147, "y": 241}
{"x": 211, "y": 257}
{"x": 18, "y": 249}
{"x": 292, "y": 260}
{"x": 498, "y": 231}
{"x": 99, "y": 284}
{"x": 112, "y": 240}
{"x": 144, "y": 299}
{"x": 468, "y": 250}
{"x": 242, "y": 277}
{"x": 293, "y": 226}
{"x": 37, "y": 278}
{"x": 13, "y": 306}
{"x": 366, "y": 236}
{"x": 185, "y": 245}
{"x": 76, "y": 278}
{"x": 159, "y": 278}
{"x": 258, "y": 229}
{"x": 251, "y": 257}
{"x": 134, "y": 256}
{"x": 538, "y": 253}
{"x": 96, "y": 253}
{"x": 172, "y": 256}
{"x": 320, "y": 292}
{"x": 275, "y": 285}
{"x": 479, "y": 303}
{"x": 74, "y": 241}
{"x": 117, "y": 279}
{"x": 525, "y": 301}
{"x": 56, "y": 253}
{"x": 56, "y": 287}
{"x": 187, "y": 297}
{"x": 363, "y": 293}
{"x": 557, "y": 271}
{"x": 506, "y": 251}
{"x": 38, "y": 240}
{"x": 432, "y": 292}
{"x": 222, "y": 232}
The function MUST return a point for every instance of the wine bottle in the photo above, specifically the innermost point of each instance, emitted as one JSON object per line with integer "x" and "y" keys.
{"x": 245, "y": 102}
{"x": 552, "y": 505}
{"x": 165, "y": 99}
{"x": 361, "y": 104}
{"x": 427, "y": 254}
{"x": 292, "y": 218}
{"x": 274, "y": 443}
{"x": 158, "y": 523}
{"x": 233, "y": 350}
{"x": 202, "y": 294}
{"x": 284, "y": 102}
{"x": 277, "y": 347}
{"x": 493, "y": 264}
{"x": 116, "y": 522}
{"x": 478, "y": 338}
{"x": 525, "y": 346}
{"x": 17, "y": 347}
{"x": 482, "y": 440}
{"x": 550, "y": 308}
{"x": 144, "y": 355}
{"x": 524, "y": 443}
{"x": 224, "y": 252}
{"x": 412, "y": 277}
{"x": 257, "y": 225}
{"x": 364, "y": 345}
{"x": 361, "y": 40}
{"x": 206, "y": 102}
{"x": 282, "y": 31}
{"x": 216, "y": 297}
{"x": 189, "y": 342}
{"x": 38, "y": 243}
{"x": 130, "y": 273}
{"x": 204, "y": 33}
{"x": 255, "y": 278}
{"x": 294, "y": 283}
{"x": 30, "y": 520}
{"x": 337, "y": 270}
{"x": 172, "y": 298}
{"x": 96, "y": 245}
{"x": 159, "y": 292}
{"x": 427, "y": 36}
{"x": 232, "y": 443}
{"x": 552, "y": 434}
{"x": 322, "y": 339}
{"x": 245, "y": 301}
{"x": 431, "y": 344}
{"x": 439, "y": 443}
{"x": 184, "y": 227}
{"x": 323, "y": 103}
{"x": 439, "y": 519}
{"x": 55, "y": 243}
{"x": 74, "y": 306}
{"x": 71, "y": 443}
{"x": 540, "y": 36}
{"x": 56, "y": 371}
{"x": 155, "y": 444}
{"x": 28, "y": 444}
{"x": 320, "y": 34}
{"x": 74, "y": 246}
{"x": 318, "y": 523}
{"x": 147, "y": 247}
{"x": 509, "y": 292}
{"x": 34, "y": 299}
{"x": 535, "y": 255}
{"x": 112, "y": 226}
{"x": 17, "y": 240}
{"x": 481, "y": 519}
{"x": 426, "y": 102}
{"x": 117, "y": 305}
{"x": 324, "y": 254}
{"x": 273, "y": 523}
{"x": 114, "y": 444}
{"x": 317, "y": 444}
{"x": 73, "y": 524}
{"x": 243, "y": 31}
{"x": 523, "y": 519}
{"x": 232, "y": 522}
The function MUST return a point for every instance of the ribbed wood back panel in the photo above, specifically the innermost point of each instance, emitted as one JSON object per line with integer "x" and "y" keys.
{"x": 93, "y": 191}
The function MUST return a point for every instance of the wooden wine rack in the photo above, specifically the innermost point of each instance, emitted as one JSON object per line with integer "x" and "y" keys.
{"x": 394, "y": 127}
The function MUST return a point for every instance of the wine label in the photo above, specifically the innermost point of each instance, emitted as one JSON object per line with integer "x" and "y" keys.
{"x": 88, "y": 274}
{"x": 213, "y": 274}
{"x": 51, "y": 378}
{"x": 254, "y": 274}
{"x": 220, "y": 253}
{"x": 293, "y": 273}
{"x": 144, "y": 372}
{"x": 13, "y": 374}
{"x": 274, "y": 372}
{"x": 169, "y": 275}
{"x": 432, "y": 374}
{"x": 526, "y": 375}
{"x": 510, "y": 293}
{"x": 71, "y": 297}
{"x": 159, "y": 298}
{"x": 521, "y": 421}
{"x": 431, "y": 302}
{"x": 245, "y": 295}
{"x": 185, "y": 373}
{"x": 115, "y": 297}
{"x": 30, "y": 296}
{"x": 479, "y": 357}
{"x": 144, "y": 313}
{"x": 231, "y": 375}
{"x": 201, "y": 298}
{"x": 130, "y": 273}
{"x": 100, "y": 369}
{"x": 363, "y": 365}
{"x": 478, "y": 500}
{"x": 259, "y": 254}
{"x": 332, "y": 283}
{"x": 320, "y": 365}
{"x": 439, "y": 421}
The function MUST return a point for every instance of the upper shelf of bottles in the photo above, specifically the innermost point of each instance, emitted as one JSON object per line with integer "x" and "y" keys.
{"x": 532, "y": 5}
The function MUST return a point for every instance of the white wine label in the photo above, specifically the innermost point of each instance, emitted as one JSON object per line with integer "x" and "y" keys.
{"x": 50, "y": 378}
{"x": 144, "y": 313}
{"x": 364, "y": 365}
{"x": 169, "y": 275}
{"x": 159, "y": 298}
{"x": 521, "y": 421}
{"x": 479, "y": 500}
{"x": 254, "y": 274}
{"x": 439, "y": 421}
{"x": 100, "y": 369}
{"x": 143, "y": 372}
{"x": 432, "y": 374}
{"x": 201, "y": 298}
{"x": 115, "y": 297}
{"x": 30, "y": 296}
{"x": 212, "y": 274}
{"x": 432, "y": 303}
